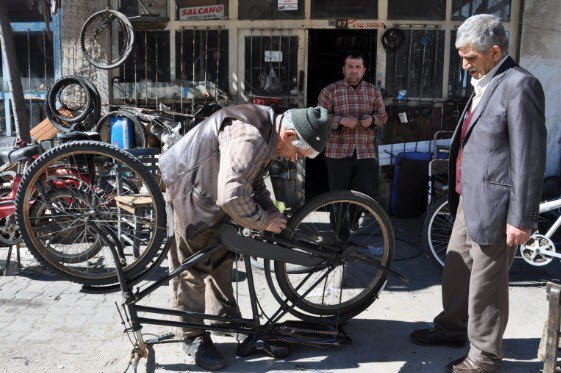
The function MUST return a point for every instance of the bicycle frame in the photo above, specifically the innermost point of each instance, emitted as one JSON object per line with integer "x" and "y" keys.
{"x": 545, "y": 207}
{"x": 247, "y": 326}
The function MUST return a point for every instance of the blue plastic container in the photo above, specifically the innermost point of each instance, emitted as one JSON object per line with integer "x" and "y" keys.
{"x": 122, "y": 132}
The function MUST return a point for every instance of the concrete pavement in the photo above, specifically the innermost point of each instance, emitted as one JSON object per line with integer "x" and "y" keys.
{"x": 48, "y": 325}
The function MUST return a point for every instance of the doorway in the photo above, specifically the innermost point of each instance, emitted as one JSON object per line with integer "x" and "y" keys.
{"x": 327, "y": 49}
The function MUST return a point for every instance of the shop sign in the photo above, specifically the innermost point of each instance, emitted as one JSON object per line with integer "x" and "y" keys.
{"x": 288, "y": 4}
{"x": 201, "y": 12}
{"x": 356, "y": 24}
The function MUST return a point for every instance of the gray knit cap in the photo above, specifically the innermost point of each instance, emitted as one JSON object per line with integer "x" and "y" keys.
{"x": 311, "y": 124}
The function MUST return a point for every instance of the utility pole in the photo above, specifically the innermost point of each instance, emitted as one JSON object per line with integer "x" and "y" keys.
{"x": 14, "y": 82}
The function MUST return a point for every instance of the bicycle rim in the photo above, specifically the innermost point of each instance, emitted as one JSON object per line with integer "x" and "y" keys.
{"x": 438, "y": 231}
{"x": 340, "y": 222}
{"x": 99, "y": 177}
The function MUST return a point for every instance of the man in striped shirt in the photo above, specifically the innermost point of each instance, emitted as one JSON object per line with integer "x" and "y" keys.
{"x": 213, "y": 173}
{"x": 355, "y": 108}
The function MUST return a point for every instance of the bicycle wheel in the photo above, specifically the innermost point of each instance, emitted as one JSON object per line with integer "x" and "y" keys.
{"x": 355, "y": 228}
{"x": 95, "y": 38}
{"x": 64, "y": 231}
{"x": 437, "y": 229}
{"x": 94, "y": 185}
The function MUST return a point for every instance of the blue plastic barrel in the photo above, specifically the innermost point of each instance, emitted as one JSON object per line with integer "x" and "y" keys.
{"x": 122, "y": 132}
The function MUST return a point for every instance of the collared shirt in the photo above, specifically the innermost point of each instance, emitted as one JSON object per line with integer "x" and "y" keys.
{"x": 244, "y": 158}
{"x": 341, "y": 100}
{"x": 481, "y": 84}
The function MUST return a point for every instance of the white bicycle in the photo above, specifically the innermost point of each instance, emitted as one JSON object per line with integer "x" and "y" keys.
{"x": 539, "y": 251}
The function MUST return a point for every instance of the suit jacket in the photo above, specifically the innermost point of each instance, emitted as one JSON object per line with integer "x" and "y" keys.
{"x": 503, "y": 160}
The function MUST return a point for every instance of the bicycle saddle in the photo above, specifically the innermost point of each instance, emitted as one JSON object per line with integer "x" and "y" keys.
{"x": 11, "y": 155}
{"x": 78, "y": 135}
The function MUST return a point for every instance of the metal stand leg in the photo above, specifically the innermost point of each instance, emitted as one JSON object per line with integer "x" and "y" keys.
{"x": 552, "y": 333}
{"x": 8, "y": 260}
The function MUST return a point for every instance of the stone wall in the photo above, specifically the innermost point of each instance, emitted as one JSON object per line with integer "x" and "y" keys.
{"x": 540, "y": 53}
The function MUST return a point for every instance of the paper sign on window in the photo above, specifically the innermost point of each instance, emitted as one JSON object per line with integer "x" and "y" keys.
{"x": 273, "y": 56}
{"x": 288, "y": 4}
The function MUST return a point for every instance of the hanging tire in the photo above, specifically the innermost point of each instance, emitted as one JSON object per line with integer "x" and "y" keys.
{"x": 102, "y": 21}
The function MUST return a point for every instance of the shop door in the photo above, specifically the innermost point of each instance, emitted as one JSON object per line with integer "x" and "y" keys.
{"x": 271, "y": 67}
{"x": 326, "y": 51}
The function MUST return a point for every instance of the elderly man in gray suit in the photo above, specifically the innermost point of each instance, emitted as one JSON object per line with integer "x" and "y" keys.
{"x": 497, "y": 164}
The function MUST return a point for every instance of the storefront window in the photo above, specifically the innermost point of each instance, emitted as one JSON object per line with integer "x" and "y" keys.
{"x": 25, "y": 10}
{"x": 416, "y": 66}
{"x": 145, "y": 72}
{"x": 419, "y": 9}
{"x": 271, "y": 9}
{"x": 462, "y": 9}
{"x": 357, "y": 9}
{"x": 197, "y": 10}
{"x": 271, "y": 65}
{"x": 207, "y": 60}
{"x": 34, "y": 53}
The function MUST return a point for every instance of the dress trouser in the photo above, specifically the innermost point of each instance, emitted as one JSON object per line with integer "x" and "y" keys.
{"x": 475, "y": 292}
{"x": 350, "y": 173}
{"x": 354, "y": 174}
{"x": 205, "y": 287}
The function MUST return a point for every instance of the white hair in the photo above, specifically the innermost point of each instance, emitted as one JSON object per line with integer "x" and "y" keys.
{"x": 288, "y": 124}
{"x": 482, "y": 31}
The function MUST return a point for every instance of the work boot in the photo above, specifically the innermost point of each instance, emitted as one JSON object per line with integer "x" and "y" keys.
{"x": 202, "y": 350}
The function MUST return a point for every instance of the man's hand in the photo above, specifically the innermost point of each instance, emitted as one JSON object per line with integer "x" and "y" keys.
{"x": 366, "y": 121}
{"x": 517, "y": 236}
{"x": 349, "y": 122}
{"x": 277, "y": 223}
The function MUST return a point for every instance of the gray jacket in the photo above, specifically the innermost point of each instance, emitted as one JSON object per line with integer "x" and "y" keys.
{"x": 190, "y": 167}
{"x": 503, "y": 161}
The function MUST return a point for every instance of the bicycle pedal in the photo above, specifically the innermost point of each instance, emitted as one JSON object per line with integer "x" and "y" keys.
{"x": 278, "y": 350}
{"x": 160, "y": 338}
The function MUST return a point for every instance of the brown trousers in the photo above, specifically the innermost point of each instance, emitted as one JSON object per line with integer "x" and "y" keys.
{"x": 475, "y": 292}
{"x": 205, "y": 287}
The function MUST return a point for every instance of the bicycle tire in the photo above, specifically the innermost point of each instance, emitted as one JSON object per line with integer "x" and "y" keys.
{"x": 140, "y": 134}
{"x": 341, "y": 312}
{"x": 127, "y": 26}
{"x": 62, "y": 122}
{"x": 24, "y": 195}
{"x": 437, "y": 228}
{"x": 95, "y": 114}
{"x": 62, "y": 257}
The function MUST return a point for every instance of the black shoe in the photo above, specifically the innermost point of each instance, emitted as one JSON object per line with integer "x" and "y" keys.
{"x": 202, "y": 350}
{"x": 468, "y": 365}
{"x": 429, "y": 337}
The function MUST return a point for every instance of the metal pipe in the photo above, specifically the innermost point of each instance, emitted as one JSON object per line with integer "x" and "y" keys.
{"x": 156, "y": 69}
{"x": 251, "y": 63}
{"x": 193, "y": 80}
{"x": 29, "y": 77}
{"x": 9, "y": 58}
{"x": 182, "y": 71}
{"x": 146, "y": 68}
{"x": 217, "y": 65}
{"x": 194, "y": 315}
{"x": 135, "y": 78}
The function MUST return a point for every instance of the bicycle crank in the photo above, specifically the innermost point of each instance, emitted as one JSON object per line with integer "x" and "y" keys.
{"x": 537, "y": 251}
